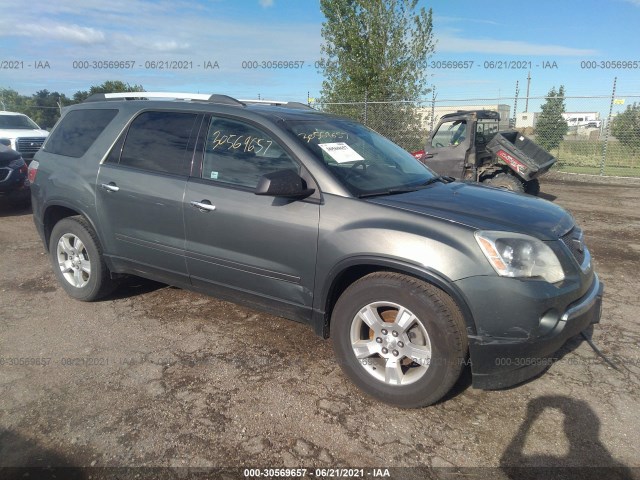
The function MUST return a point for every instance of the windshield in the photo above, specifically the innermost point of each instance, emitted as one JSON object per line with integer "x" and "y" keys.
{"x": 365, "y": 162}
{"x": 19, "y": 122}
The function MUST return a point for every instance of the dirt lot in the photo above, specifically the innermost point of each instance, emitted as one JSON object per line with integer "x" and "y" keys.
{"x": 157, "y": 376}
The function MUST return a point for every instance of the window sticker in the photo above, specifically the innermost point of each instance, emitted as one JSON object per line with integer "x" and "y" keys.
{"x": 214, "y": 175}
{"x": 340, "y": 152}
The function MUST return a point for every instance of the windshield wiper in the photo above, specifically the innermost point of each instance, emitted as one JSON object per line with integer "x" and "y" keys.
{"x": 390, "y": 191}
{"x": 438, "y": 178}
{"x": 395, "y": 191}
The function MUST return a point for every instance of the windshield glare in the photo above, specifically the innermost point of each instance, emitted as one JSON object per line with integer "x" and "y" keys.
{"x": 18, "y": 122}
{"x": 361, "y": 159}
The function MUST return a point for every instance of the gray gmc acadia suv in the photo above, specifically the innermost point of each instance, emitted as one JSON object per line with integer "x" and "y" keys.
{"x": 318, "y": 219}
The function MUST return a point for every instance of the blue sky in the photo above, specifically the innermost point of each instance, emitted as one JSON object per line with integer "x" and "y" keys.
{"x": 229, "y": 32}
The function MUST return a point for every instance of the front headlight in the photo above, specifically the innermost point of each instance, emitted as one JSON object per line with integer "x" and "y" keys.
{"x": 518, "y": 255}
{"x": 6, "y": 142}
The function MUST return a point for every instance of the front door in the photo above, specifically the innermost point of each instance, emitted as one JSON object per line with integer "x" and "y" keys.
{"x": 447, "y": 150}
{"x": 260, "y": 248}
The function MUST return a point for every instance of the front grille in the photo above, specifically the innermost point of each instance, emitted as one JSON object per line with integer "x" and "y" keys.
{"x": 29, "y": 145}
{"x": 4, "y": 173}
{"x": 574, "y": 240}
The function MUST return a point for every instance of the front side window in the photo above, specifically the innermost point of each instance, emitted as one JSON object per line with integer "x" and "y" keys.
{"x": 365, "y": 162}
{"x": 239, "y": 154}
{"x": 158, "y": 141}
{"x": 450, "y": 134}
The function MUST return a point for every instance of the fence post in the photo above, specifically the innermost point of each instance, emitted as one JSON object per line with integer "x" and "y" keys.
{"x": 365, "y": 106}
{"x": 515, "y": 106}
{"x": 433, "y": 108}
{"x": 608, "y": 130}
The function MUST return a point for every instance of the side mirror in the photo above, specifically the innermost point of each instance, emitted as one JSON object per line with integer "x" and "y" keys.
{"x": 283, "y": 183}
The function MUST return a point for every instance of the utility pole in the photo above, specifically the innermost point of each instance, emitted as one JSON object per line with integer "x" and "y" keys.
{"x": 526, "y": 106}
{"x": 515, "y": 103}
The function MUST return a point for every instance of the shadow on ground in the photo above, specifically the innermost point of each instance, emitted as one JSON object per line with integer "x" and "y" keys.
{"x": 22, "y": 457}
{"x": 8, "y": 209}
{"x": 132, "y": 286}
{"x": 587, "y": 458}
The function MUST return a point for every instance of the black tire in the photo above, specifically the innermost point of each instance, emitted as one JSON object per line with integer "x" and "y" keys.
{"x": 507, "y": 182}
{"x": 435, "y": 313}
{"x": 98, "y": 280}
{"x": 532, "y": 187}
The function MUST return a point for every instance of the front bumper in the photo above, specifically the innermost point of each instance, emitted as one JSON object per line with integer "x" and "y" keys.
{"x": 504, "y": 362}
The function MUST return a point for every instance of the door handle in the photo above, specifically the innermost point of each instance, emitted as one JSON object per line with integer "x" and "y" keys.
{"x": 204, "y": 206}
{"x": 429, "y": 155}
{"x": 110, "y": 187}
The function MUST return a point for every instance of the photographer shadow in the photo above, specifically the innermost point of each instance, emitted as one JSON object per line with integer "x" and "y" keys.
{"x": 587, "y": 458}
{"x": 24, "y": 458}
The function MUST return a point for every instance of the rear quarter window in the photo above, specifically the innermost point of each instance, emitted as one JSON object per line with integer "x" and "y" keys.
{"x": 77, "y": 131}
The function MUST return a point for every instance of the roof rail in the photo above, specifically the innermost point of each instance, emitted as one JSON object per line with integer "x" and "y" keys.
{"x": 221, "y": 99}
{"x": 278, "y": 103}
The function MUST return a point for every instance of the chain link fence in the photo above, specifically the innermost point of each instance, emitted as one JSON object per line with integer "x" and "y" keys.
{"x": 602, "y": 134}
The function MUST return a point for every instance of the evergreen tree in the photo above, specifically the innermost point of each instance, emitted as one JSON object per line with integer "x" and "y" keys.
{"x": 551, "y": 126}
{"x": 626, "y": 128}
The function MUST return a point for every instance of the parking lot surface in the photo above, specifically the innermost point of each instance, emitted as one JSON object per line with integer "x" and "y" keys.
{"x": 158, "y": 376}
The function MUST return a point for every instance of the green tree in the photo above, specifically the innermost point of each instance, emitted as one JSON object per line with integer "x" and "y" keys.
{"x": 378, "y": 51}
{"x": 44, "y": 107}
{"x": 110, "y": 86}
{"x": 626, "y": 127}
{"x": 551, "y": 126}
{"x": 12, "y": 101}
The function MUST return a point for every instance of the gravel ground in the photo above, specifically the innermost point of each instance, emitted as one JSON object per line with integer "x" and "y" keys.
{"x": 156, "y": 376}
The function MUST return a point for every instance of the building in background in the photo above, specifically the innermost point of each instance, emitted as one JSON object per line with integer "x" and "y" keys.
{"x": 527, "y": 119}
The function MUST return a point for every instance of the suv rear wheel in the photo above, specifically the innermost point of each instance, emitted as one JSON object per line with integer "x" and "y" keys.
{"x": 401, "y": 340}
{"x": 77, "y": 260}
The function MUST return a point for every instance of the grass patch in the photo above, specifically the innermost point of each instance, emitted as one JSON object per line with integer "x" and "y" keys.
{"x": 613, "y": 171}
{"x": 585, "y": 157}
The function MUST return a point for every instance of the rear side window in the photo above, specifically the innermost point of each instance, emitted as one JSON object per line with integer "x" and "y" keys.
{"x": 77, "y": 132}
{"x": 158, "y": 141}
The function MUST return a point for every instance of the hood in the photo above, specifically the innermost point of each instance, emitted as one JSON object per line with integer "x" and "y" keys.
{"x": 22, "y": 132}
{"x": 485, "y": 208}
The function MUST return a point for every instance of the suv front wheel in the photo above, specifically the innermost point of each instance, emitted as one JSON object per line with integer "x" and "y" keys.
{"x": 77, "y": 260}
{"x": 401, "y": 340}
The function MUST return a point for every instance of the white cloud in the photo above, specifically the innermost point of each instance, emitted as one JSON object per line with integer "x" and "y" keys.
{"x": 454, "y": 44}
{"x": 69, "y": 33}
{"x": 266, "y": 3}
{"x": 170, "y": 46}
{"x": 634, "y": 2}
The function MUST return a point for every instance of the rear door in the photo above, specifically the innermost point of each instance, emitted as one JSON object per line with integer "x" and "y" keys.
{"x": 239, "y": 244}
{"x": 447, "y": 151}
{"x": 139, "y": 194}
